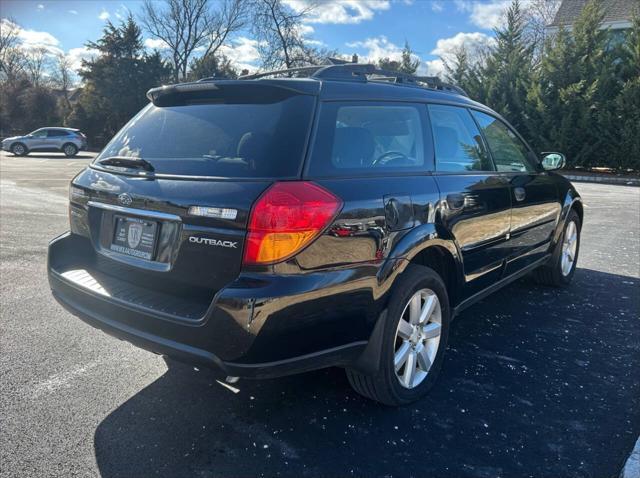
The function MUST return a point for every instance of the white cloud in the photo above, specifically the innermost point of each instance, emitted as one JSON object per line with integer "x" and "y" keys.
{"x": 40, "y": 6}
{"x": 472, "y": 42}
{"x": 73, "y": 12}
{"x": 76, "y": 55}
{"x": 437, "y": 6}
{"x": 155, "y": 44}
{"x": 317, "y": 43}
{"x": 31, "y": 39}
{"x": 447, "y": 47}
{"x": 486, "y": 15}
{"x": 377, "y": 47}
{"x": 432, "y": 68}
{"x": 104, "y": 15}
{"x": 339, "y": 11}
{"x": 243, "y": 53}
{"x": 306, "y": 29}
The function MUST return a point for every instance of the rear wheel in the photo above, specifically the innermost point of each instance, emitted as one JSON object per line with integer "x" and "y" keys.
{"x": 70, "y": 149}
{"x": 562, "y": 265}
{"x": 19, "y": 149}
{"x": 415, "y": 338}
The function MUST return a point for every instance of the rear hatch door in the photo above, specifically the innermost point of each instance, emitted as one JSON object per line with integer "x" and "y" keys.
{"x": 167, "y": 201}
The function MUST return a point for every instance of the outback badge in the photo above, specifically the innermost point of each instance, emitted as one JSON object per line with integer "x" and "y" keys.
{"x": 213, "y": 242}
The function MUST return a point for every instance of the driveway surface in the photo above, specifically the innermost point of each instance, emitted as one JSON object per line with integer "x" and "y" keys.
{"x": 537, "y": 381}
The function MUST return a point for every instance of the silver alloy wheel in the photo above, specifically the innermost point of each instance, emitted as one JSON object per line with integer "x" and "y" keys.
{"x": 18, "y": 150}
{"x": 69, "y": 150}
{"x": 569, "y": 248}
{"x": 417, "y": 338}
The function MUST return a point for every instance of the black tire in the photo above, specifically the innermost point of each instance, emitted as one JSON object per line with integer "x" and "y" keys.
{"x": 551, "y": 274}
{"x": 385, "y": 386}
{"x": 19, "y": 149}
{"x": 69, "y": 150}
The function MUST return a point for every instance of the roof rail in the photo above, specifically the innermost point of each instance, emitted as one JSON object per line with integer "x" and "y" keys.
{"x": 360, "y": 72}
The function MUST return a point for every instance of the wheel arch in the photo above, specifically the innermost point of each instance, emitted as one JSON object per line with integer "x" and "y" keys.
{"x": 571, "y": 202}
{"x": 442, "y": 261}
{"x": 423, "y": 245}
{"x": 15, "y": 143}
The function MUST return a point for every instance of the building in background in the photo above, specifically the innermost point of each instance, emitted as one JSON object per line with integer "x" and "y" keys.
{"x": 617, "y": 16}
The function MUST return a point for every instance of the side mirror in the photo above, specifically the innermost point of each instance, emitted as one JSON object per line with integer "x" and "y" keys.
{"x": 553, "y": 161}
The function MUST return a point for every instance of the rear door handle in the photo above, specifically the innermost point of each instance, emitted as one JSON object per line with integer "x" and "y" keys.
{"x": 519, "y": 193}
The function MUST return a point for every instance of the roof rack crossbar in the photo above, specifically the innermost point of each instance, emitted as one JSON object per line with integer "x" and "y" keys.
{"x": 363, "y": 73}
{"x": 286, "y": 71}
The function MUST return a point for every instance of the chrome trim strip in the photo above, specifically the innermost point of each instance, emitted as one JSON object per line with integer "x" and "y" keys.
{"x": 136, "y": 212}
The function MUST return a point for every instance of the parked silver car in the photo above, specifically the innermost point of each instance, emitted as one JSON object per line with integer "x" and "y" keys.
{"x": 66, "y": 140}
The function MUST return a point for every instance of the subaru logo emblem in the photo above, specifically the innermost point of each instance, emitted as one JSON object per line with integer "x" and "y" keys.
{"x": 125, "y": 199}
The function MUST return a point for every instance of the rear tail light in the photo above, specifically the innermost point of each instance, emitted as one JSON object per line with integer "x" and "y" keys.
{"x": 286, "y": 218}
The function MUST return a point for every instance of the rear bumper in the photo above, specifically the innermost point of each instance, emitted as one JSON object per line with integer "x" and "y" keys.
{"x": 256, "y": 327}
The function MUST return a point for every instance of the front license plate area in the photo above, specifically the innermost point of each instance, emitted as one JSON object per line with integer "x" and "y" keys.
{"x": 134, "y": 237}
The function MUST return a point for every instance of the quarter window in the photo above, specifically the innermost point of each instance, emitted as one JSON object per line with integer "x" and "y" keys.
{"x": 457, "y": 140}
{"x": 368, "y": 138}
{"x": 508, "y": 151}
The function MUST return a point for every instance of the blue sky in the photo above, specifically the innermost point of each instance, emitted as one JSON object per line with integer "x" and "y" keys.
{"x": 370, "y": 28}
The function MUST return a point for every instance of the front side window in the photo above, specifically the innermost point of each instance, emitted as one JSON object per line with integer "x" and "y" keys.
{"x": 508, "y": 151}
{"x": 457, "y": 140}
{"x": 369, "y": 138}
{"x": 41, "y": 133}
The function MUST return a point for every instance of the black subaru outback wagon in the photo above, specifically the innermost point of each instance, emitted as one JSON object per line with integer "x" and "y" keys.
{"x": 269, "y": 226}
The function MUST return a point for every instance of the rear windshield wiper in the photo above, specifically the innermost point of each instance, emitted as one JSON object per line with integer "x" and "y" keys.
{"x": 127, "y": 162}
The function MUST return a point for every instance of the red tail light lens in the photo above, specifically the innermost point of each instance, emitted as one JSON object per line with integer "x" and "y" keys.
{"x": 286, "y": 218}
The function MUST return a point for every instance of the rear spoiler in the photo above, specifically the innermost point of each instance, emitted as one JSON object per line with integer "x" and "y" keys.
{"x": 263, "y": 91}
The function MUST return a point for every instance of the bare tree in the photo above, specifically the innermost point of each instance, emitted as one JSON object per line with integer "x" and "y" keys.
{"x": 539, "y": 15}
{"x": 63, "y": 78}
{"x": 279, "y": 30}
{"x": 36, "y": 62}
{"x": 187, "y": 26}
{"x": 11, "y": 58}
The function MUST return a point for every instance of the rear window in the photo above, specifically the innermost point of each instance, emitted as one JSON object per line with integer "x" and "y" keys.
{"x": 369, "y": 138}
{"x": 237, "y": 140}
{"x": 458, "y": 143}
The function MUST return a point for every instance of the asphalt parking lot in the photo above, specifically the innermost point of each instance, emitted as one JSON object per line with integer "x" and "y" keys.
{"x": 537, "y": 382}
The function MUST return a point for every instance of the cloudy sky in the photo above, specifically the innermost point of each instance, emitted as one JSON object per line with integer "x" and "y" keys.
{"x": 370, "y": 28}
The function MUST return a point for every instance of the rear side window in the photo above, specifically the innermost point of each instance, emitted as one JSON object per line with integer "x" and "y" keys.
{"x": 457, "y": 140}
{"x": 369, "y": 138}
{"x": 55, "y": 133}
{"x": 508, "y": 151}
{"x": 226, "y": 139}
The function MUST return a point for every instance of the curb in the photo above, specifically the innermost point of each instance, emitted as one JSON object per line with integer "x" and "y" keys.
{"x": 603, "y": 179}
{"x": 631, "y": 468}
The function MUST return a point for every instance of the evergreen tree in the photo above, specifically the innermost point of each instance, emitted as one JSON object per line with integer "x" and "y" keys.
{"x": 506, "y": 76}
{"x": 218, "y": 66}
{"x": 626, "y": 119}
{"x": 409, "y": 63}
{"x": 567, "y": 100}
{"x": 460, "y": 71}
{"x": 115, "y": 83}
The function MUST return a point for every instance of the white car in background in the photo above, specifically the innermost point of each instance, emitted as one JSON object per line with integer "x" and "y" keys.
{"x": 66, "y": 140}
